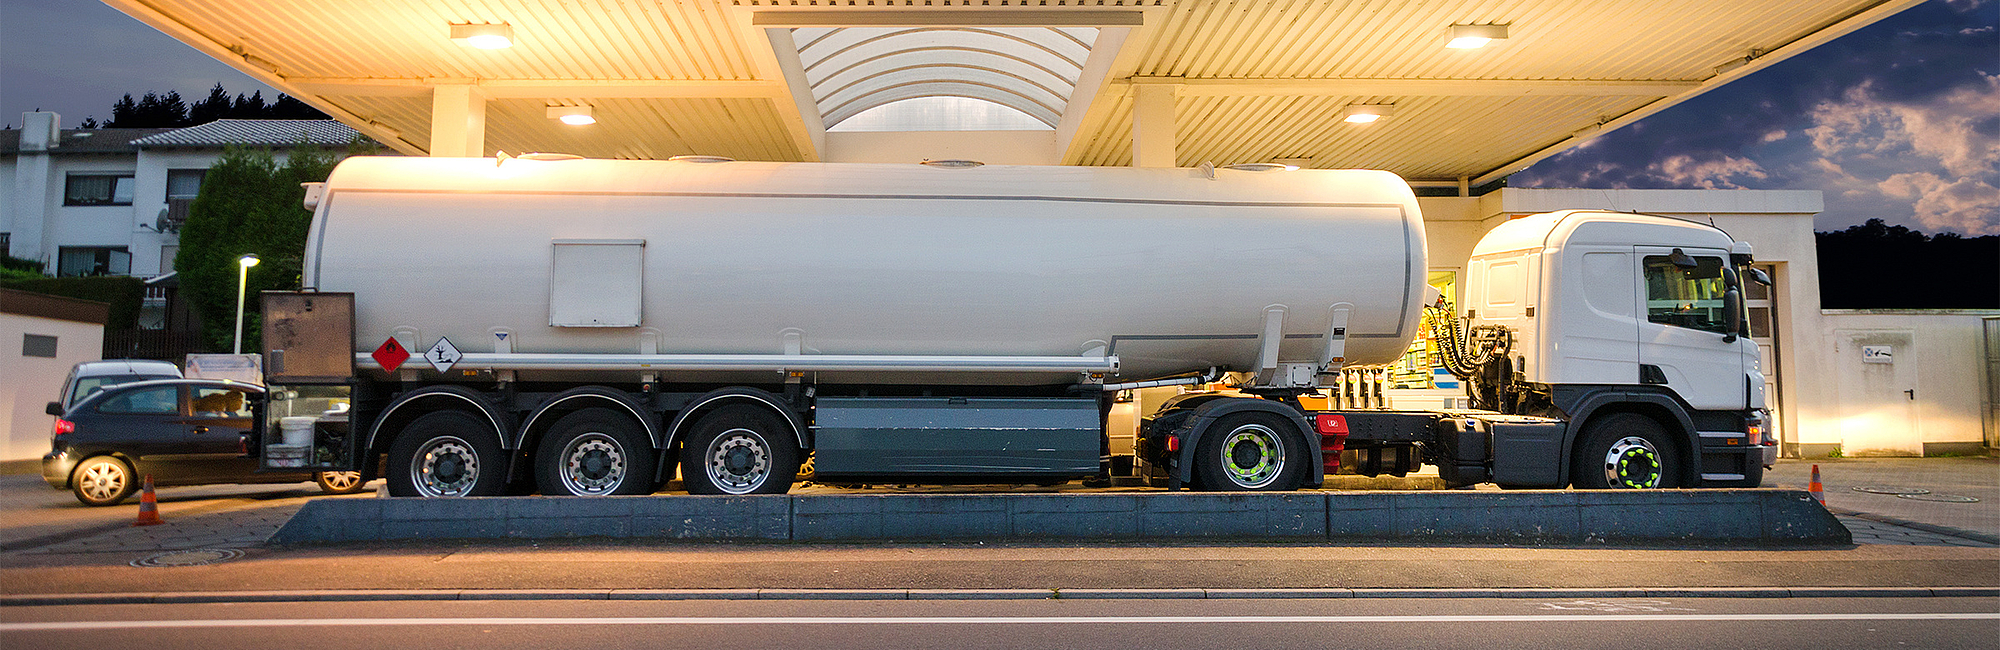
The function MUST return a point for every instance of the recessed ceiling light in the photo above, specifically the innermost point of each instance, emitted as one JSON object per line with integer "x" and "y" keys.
{"x": 485, "y": 36}
{"x": 1466, "y": 37}
{"x": 572, "y": 115}
{"x": 1366, "y": 113}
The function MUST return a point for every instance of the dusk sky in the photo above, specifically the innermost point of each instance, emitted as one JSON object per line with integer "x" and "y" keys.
{"x": 1899, "y": 121}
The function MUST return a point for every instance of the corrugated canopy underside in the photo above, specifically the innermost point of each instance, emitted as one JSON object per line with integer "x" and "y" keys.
{"x": 1253, "y": 80}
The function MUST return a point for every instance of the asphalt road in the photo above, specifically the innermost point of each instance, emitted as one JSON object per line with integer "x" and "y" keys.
{"x": 1529, "y": 624}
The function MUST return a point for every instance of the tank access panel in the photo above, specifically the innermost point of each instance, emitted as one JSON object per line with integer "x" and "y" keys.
{"x": 955, "y": 438}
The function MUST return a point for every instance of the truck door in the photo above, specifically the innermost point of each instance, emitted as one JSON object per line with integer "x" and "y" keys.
{"x": 1681, "y": 338}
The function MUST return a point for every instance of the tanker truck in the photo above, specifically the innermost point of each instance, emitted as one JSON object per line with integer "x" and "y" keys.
{"x": 475, "y": 327}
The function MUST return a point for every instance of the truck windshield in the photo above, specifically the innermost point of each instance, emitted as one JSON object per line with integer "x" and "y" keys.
{"x": 1686, "y": 297}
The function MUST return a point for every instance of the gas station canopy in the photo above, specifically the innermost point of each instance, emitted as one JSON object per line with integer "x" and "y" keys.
{"x": 1379, "y": 84}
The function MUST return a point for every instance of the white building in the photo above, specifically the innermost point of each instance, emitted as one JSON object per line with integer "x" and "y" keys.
{"x": 110, "y": 201}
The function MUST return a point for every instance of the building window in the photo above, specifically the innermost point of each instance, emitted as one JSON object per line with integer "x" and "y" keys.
{"x": 77, "y": 261}
{"x": 6, "y": 241}
{"x": 98, "y": 189}
{"x": 37, "y": 345}
{"x": 184, "y": 183}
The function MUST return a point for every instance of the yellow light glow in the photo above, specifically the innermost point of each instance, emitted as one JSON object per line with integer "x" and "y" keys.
{"x": 1471, "y": 37}
{"x": 1468, "y": 43}
{"x": 490, "y": 36}
{"x": 1362, "y": 118}
{"x": 572, "y": 115}
{"x": 248, "y": 260}
{"x": 578, "y": 120}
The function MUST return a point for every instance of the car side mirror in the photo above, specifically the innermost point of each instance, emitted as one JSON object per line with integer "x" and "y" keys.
{"x": 54, "y": 408}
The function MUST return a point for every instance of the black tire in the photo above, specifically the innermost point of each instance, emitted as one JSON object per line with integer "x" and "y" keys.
{"x": 447, "y": 454}
{"x": 740, "y": 449}
{"x": 595, "y": 452}
{"x": 340, "y": 482}
{"x": 1625, "y": 451}
{"x": 1251, "y": 452}
{"x": 101, "y": 481}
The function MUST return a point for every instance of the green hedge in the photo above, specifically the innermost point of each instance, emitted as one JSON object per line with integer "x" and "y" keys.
{"x": 123, "y": 293}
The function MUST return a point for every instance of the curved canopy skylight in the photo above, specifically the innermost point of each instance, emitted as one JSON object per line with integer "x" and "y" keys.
{"x": 1033, "y": 70}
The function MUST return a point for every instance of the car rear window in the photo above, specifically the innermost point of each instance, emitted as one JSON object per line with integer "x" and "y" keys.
{"x": 87, "y": 385}
{"x": 158, "y": 399}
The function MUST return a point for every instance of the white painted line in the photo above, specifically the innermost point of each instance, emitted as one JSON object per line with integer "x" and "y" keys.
{"x": 975, "y": 620}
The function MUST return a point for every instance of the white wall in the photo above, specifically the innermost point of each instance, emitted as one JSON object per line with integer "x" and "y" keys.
{"x": 1860, "y": 407}
{"x": 28, "y": 384}
{"x": 990, "y": 147}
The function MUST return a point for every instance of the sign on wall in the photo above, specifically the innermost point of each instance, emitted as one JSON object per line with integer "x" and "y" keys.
{"x": 1878, "y": 354}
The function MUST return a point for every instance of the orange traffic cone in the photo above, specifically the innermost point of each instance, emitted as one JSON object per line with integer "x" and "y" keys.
{"x": 149, "y": 506}
{"x": 1818, "y": 492}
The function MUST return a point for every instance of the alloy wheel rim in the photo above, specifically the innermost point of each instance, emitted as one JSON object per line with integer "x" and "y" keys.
{"x": 1632, "y": 462}
{"x": 592, "y": 464}
{"x": 341, "y": 480}
{"x": 446, "y": 467}
{"x": 739, "y": 461}
{"x": 1252, "y": 456}
{"x": 103, "y": 480}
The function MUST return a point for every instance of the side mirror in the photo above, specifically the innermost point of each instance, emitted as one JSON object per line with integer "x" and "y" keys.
{"x": 54, "y": 408}
{"x": 1732, "y": 304}
{"x": 1759, "y": 276}
{"x": 1683, "y": 260}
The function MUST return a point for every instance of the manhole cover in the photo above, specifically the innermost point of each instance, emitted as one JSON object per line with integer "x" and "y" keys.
{"x": 1940, "y": 498}
{"x": 196, "y": 557}
{"x": 1883, "y": 489}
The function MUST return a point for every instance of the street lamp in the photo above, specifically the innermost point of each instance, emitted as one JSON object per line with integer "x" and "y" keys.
{"x": 243, "y": 265}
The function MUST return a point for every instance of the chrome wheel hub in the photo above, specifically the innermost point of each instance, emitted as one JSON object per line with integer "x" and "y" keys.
{"x": 739, "y": 461}
{"x": 1253, "y": 456}
{"x": 1632, "y": 462}
{"x": 592, "y": 464}
{"x": 446, "y": 467}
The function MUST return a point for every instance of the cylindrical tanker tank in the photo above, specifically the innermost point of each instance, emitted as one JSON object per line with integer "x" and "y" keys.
{"x": 1170, "y": 270}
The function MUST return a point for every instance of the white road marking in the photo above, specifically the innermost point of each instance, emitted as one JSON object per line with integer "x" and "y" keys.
{"x": 974, "y": 620}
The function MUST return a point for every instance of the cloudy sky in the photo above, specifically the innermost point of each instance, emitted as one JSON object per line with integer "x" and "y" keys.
{"x": 1898, "y": 121}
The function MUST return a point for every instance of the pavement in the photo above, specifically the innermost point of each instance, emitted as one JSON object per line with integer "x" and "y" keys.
{"x": 59, "y": 547}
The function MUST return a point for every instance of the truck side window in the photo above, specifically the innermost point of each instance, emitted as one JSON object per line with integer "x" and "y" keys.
{"x": 1690, "y": 298}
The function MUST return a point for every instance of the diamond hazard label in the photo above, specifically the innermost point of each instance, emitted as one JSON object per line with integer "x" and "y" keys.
{"x": 443, "y": 355}
{"x": 391, "y": 355}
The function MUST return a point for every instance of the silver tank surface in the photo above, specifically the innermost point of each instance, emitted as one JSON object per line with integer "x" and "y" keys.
{"x": 1168, "y": 269}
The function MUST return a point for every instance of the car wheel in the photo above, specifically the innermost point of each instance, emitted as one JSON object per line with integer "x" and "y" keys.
{"x": 739, "y": 450}
{"x": 1625, "y": 451}
{"x": 595, "y": 452}
{"x": 339, "y": 482}
{"x": 446, "y": 454}
{"x": 102, "y": 481}
{"x": 1250, "y": 452}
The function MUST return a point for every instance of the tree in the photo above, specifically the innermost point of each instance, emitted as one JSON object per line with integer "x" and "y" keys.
{"x": 1879, "y": 266}
{"x": 123, "y": 113}
{"x": 248, "y": 108}
{"x": 213, "y": 108}
{"x": 248, "y": 203}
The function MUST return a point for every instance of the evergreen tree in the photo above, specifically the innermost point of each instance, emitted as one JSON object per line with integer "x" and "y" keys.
{"x": 89, "y": 123}
{"x": 250, "y": 108}
{"x": 173, "y": 110}
{"x": 248, "y": 204}
{"x": 215, "y": 107}
{"x": 288, "y": 108}
{"x": 123, "y": 113}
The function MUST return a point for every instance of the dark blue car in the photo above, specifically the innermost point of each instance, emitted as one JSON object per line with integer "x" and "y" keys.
{"x": 179, "y": 431}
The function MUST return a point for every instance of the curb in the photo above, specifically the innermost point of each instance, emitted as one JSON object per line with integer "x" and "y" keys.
{"x": 1928, "y": 528}
{"x": 154, "y": 598}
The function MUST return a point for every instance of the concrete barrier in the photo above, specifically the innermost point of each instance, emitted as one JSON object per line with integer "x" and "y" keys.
{"x": 1748, "y": 517}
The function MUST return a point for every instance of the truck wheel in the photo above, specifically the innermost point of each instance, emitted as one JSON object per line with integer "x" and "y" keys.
{"x": 339, "y": 482}
{"x": 594, "y": 452}
{"x": 1250, "y": 452}
{"x": 739, "y": 450}
{"x": 1625, "y": 450}
{"x": 446, "y": 454}
{"x": 102, "y": 481}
